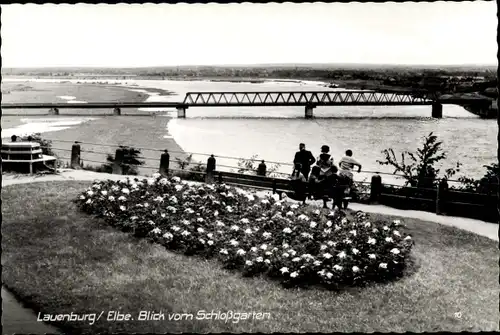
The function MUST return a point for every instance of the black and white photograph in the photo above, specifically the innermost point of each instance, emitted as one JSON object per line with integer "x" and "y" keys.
{"x": 310, "y": 167}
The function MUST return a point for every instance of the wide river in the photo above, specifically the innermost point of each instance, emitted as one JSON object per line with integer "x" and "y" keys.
{"x": 274, "y": 133}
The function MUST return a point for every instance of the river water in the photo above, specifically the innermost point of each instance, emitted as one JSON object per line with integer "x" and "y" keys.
{"x": 273, "y": 133}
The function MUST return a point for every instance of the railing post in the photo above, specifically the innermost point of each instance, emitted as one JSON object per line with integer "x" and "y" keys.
{"x": 211, "y": 166}
{"x": 117, "y": 111}
{"x": 54, "y": 111}
{"x": 375, "y": 188}
{"x": 262, "y": 169}
{"x": 437, "y": 110}
{"x": 75, "y": 156}
{"x": 164, "y": 163}
{"x": 274, "y": 186}
{"x": 117, "y": 164}
{"x": 441, "y": 194}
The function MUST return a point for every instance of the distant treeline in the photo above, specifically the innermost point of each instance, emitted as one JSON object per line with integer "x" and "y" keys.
{"x": 446, "y": 80}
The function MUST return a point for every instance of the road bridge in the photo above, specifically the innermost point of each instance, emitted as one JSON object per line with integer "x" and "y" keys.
{"x": 308, "y": 99}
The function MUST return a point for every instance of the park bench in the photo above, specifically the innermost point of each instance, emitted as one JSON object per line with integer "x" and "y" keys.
{"x": 277, "y": 185}
{"x": 19, "y": 153}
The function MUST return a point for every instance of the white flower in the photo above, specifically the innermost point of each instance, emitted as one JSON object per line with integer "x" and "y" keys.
{"x": 151, "y": 181}
{"x": 134, "y": 218}
{"x": 266, "y": 235}
{"x": 259, "y": 259}
{"x": 263, "y": 247}
{"x": 372, "y": 241}
{"x": 265, "y": 201}
{"x": 327, "y": 255}
{"x": 383, "y": 265}
{"x": 286, "y": 255}
{"x": 267, "y": 261}
{"x": 235, "y": 228}
{"x": 287, "y": 230}
{"x": 347, "y": 241}
{"x": 294, "y": 274}
{"x": 396, "y": 222}
{"x": 151, "y": 223}
{"x": 327, "y": 231}
{"x": 385, "y": 228}
{"x": 189, "y": 211}
{"x": 331, "y": 243}
{"x": 268, "y": 253}
{"x": 285, "y": 245}
{"x": 158, "y": 199}
{"x": 82, "y": 197}
{"x": 353, "y": 232}
{"x": 229, "y": 209}
{"x": 89, "y": 201}
{"x": 216, "y": 213}
{"x": 202, "y": 241}
{"x": 156, "y": 175}
{"x": 249, "y": 263}
{"x": 123, "y": 208}
{"x": 146, "y": 205}
{"x": 175, "y": 228}
{"x": 375, "y": 230}
{"x": 396, "y": 233}
{"x": 200, "y": 220}
{"x": 317, "y": 263}
{"x": 164, "y": 181}
{"x": 294, "y": 206}
{"x": 185, "y": 233}
{"x": 284, "y": 270}
{"x": 337, "y": 227}
{"x": 233, "y": 242}
{"x": 303, "y": 217}
{"x": 307, "y": 235}
{"x": 178, "y": 187}
{"x": 173, "y": 199}
{"x": 210, "y": 242}
{"x": 372, "y": 256}
{"x": 341, "y": 254}
{"x": 90, "y": 193}
{"x": 344, "y": 221}
{"x": 122, "y": 198}
{"x": 248, "y": 231}
{"x": 395, "y": 251}
{"x": 323, "y": 247}
{"x": 240, "y": 252}
{"x": 329, "y": 223}
{"x": 172, "y": 209}
{"x": 296, "y": 259}
{"x": 244, "y": 220}
{"x": 223, "y": 251}
{"x": 313, "y": 224}
{"x": 154, "y": 212}
{"x": 163, "y": 215}
{"x": 168, "y": 235}
{"x": 388, "y": 239}
{"x": 317, "y": 212}
{"x": 355, "y": 251}
{"x": 289, "y": 213}
{"x": 156, "y": 230}
{"x": 408, "y": 237}
{"x": 355, "y": 269}
{"x": 185, "y": 222}
{"x": 368, "y": 224}
{"x": 253, "y": 249}
{"x": 200, "y": 230}
{"x": 104, "y": 192}
{"x": 219, "y": 223}
{"x": 292, "y": 252}
{"x": 337, "y": 267}
{"x": 125, "y": 190}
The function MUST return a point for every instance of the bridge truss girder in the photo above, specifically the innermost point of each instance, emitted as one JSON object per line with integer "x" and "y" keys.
{"x": 319, "y": 98}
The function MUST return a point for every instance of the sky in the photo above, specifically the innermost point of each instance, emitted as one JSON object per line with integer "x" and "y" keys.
{"x": 141, "y": 35}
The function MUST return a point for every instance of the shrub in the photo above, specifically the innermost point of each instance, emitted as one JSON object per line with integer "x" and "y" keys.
{"x": 420, "y": 170}
{"x": 46, "y": 145}
{"x": 130, "y": 164}
{"x": 258, "y": 235}
{"x": 247, "y": 166}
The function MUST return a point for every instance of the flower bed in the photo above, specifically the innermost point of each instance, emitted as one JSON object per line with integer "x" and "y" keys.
{"x": 296, "y": 244}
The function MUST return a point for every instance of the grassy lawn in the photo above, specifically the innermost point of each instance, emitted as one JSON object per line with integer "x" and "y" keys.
{"x": 59, "y": 260}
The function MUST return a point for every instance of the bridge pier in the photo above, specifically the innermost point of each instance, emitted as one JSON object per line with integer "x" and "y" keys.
{"x": 117, "y": 111}
{"x": 54, "y": 111}
{"x": 181, "y": 112}
{"x": 437, "y": 110}
{"x": 309, "y": 112}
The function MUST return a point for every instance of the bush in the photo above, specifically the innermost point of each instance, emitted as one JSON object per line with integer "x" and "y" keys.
{"x": 130, "y": 164}
{"x": 46, "y": 145}
{"x": 258, "y": 235}
{"x": 247, "y": 166}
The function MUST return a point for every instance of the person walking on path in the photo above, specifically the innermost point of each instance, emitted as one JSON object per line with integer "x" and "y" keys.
{"x": 305, "y": 158}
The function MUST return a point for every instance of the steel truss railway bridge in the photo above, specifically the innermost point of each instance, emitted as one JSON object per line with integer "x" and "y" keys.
{"x": 308, "y": 99}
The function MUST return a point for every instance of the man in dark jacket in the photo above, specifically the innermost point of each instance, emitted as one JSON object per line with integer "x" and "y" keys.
{"x": 305, "y": 159}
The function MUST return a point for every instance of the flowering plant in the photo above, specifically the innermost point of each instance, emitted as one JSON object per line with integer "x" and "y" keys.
{"x": 257, "y": 234}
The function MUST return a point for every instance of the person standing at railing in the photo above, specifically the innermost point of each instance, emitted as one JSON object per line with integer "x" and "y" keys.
{"x": 305, "y": 158}
{"x": 347, "y": 164}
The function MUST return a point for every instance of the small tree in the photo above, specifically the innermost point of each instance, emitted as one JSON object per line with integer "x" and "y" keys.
{"x": 184, "y": 163}
{"x": 130, "y": 164}
{"x": 488, "y": 184}
{"x": 419, "y": 170}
